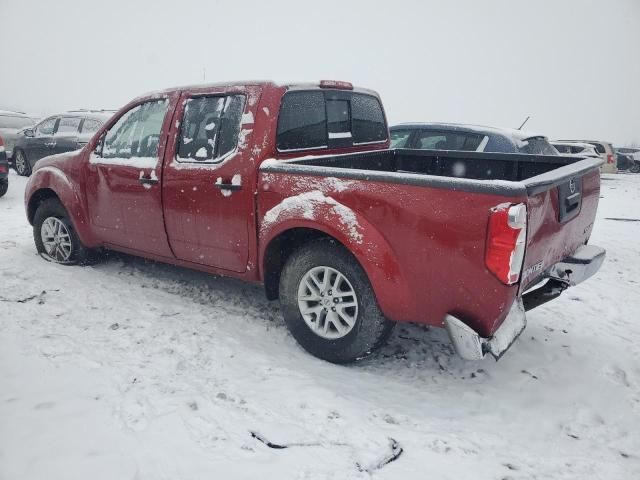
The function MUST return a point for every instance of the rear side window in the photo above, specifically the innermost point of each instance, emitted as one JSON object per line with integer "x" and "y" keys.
{"x": 68, "y": 126}
{"x": 599, "y": 148}
{"x": 575, "y": 149}
{"x": 563, "y": 148}
{"x": 303, "y": 122}
{"x": 210, "y": 127}
{"x": 428, "y": 140}
{"x": 537, "y": 146}
{"x": 90, "y": 126}
{"x": 329, "y": 119}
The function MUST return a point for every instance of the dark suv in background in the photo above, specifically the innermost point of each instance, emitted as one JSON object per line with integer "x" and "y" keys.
{"x": 451, "y": 136}
{"x": 55, "y": 134}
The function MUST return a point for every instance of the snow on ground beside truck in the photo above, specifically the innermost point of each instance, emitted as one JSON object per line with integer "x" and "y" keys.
{"x": 132, "y": 369}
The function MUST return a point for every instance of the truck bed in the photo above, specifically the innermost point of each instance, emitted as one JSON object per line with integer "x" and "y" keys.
{"x": 431, "y": 210}
{"x": 499, "y": 173}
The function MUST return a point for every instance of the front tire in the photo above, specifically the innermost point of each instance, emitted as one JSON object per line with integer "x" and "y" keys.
{"x": 21, "y": 163}
{"x": 329, "y": 305}
{"x": 55, "y": 237}
{"x": 4, "y": 186}
{"x": 635, "y": 167}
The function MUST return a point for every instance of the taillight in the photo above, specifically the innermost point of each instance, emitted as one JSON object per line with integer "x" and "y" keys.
{"x": 506, "y": 241}
{"x": 610, "y": 158}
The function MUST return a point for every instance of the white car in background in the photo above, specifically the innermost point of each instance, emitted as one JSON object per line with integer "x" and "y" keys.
{"x": 605, "y": 151}
{"x": 576, "y": 148}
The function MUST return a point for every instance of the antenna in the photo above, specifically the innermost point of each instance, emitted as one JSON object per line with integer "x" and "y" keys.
{"x": 525, "y": 121}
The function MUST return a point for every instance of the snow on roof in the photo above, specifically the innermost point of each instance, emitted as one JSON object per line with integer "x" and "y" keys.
{"x": 483, "y": 129}
{"x": 13, "y": 114}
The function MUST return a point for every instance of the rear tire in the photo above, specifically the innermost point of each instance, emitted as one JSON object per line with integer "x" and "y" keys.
{"x": 55, "y": 237}
{"x": 342, "y": 321}
{"x": 4, "y": 186}
{"x": 21, "y": 163}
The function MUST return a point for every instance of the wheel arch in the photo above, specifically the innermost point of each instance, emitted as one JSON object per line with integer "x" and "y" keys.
{"x": 371, "y": 251}
{"x": 50, "y": 182}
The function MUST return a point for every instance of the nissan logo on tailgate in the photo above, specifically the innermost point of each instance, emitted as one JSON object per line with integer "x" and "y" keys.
{"x": 572, "y": 185}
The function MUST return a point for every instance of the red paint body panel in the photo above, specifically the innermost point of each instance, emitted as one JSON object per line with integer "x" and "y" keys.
{"x": 422, "y": 247}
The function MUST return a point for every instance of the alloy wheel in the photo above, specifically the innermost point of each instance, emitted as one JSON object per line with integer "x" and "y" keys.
{"x": 327, "y": 302}
{"x": 56, "y": 240}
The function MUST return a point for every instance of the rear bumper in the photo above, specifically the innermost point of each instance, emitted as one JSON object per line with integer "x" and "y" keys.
{"x": 584, "y": 263}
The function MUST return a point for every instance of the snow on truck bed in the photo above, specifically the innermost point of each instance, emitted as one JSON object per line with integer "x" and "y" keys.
{"x": 137, "y": 370}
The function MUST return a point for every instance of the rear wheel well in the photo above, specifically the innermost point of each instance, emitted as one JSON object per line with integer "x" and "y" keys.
{"x": 279, "y": 250}
{"x": 36, "y": 199}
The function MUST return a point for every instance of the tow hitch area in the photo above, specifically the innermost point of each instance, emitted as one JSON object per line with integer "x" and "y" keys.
{"x": 471, "y": 346}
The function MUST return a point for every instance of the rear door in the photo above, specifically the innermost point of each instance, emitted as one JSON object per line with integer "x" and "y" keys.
{"x": 123, "y": 186}
{"x": 209, "y": 177}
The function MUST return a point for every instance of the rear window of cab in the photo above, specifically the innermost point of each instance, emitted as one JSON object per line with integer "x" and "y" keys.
{"x": 329, "y": 119}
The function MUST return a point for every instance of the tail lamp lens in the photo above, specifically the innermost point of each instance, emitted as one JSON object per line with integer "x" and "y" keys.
{"x": 610, "y": 158}
{"x": 506, "y": 239}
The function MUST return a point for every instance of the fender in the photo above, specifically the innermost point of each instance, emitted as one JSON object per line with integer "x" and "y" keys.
{"x": 70, "y": 194}
{"x": 315, "y": 211}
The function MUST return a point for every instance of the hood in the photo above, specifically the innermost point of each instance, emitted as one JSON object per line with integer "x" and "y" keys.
{"x": 57, "y": 160}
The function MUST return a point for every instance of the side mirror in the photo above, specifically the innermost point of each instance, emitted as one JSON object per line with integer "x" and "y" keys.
{"x": 29, "y": 132}
{"x": 99, "y": 144}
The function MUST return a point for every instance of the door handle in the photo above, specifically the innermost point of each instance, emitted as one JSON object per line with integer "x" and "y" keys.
{"x": 148, "y": 181}
{"x": 228, "y": 186}
{"x": 50, "y": 144}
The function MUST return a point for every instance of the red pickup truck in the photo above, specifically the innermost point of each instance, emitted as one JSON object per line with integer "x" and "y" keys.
{"x": 295, "y": 186}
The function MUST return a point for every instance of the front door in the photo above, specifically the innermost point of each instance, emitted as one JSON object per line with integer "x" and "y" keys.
{"x": 40, "y": 145}
{"x": 123, "y": 179}
{"x": 66, "y": 137}
{"x": 207, "y": 189}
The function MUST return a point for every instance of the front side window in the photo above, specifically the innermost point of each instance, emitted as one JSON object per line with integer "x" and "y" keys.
{"x": 329, "y": 119}
{"x": 68, "y": 126}
{"x": 210, "y": 127}
{"x": 399, "y": 138}
{"x": 137, "y": 132}
{"x": 46, "y": 126}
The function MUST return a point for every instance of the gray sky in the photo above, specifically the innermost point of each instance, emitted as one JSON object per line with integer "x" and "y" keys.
{"x": 573, "y": 65}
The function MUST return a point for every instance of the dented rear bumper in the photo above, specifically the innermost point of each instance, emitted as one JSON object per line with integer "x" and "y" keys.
{"x": 584, "y": 263}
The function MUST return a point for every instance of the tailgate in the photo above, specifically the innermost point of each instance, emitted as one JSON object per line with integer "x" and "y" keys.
{"x": 561, "y": 207}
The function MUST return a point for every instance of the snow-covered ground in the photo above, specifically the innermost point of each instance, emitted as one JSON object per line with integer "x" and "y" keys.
{"x": 136, "y": 370}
